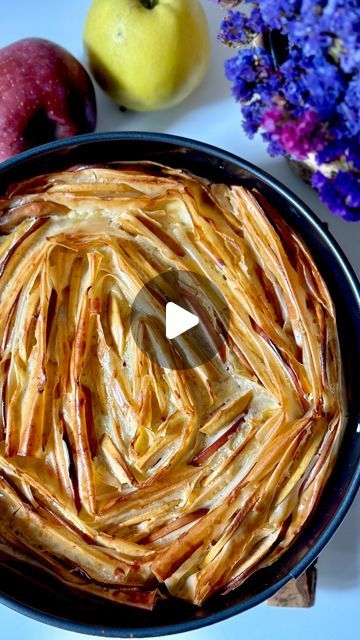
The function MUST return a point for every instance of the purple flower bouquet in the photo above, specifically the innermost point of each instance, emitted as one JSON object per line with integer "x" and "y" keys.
{"x": 296, "y": 74}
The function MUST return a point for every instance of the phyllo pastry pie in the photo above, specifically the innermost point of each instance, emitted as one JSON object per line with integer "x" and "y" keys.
{"x": 128, "y": 480}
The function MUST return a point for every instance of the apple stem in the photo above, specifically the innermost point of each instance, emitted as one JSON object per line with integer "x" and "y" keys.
{"x": 149, "y": 4}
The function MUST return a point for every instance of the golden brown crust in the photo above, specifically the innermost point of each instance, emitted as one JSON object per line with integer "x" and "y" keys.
{"x": 119, "y": 475}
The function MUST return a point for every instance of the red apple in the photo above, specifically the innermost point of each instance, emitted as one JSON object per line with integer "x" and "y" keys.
{"x": 45, "y": 94}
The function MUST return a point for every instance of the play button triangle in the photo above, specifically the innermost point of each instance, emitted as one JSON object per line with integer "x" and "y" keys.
{"x": 178, "y": 320}
{"x": 185, "y": 301}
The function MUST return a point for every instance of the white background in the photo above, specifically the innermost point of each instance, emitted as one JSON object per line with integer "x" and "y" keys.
{"x": 212, "y": 116}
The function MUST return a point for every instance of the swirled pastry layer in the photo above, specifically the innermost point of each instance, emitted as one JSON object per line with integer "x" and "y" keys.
{"x": 127, "y": 480}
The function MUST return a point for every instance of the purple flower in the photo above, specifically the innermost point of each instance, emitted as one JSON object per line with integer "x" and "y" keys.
{"x": 293, "y": 87}
{"x": 247, "y": 70}
{"x": 325, "y": 85}
{"x": 349, "y": 109}
{"x": 301, "y": 89}
{"x": 296, "y": 137}
{"x": 255, "y": 22}
{"x": 232, "y": 30}
{"x": 353, "y": 154}
{"x": 272, "y": 119}
{"x": 277, "y": 12}
{"x": 340, "y": 193}
{"x": 252, "y": 116}
{"x": 344, "y": 151}
{"x": 332, "y": 151}
{"x": 309, "y": 34}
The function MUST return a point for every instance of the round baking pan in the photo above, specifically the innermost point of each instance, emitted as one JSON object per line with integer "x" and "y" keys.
{"x": 43, "y": 598}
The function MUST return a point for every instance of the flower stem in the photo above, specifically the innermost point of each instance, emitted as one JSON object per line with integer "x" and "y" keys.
{"x": 149, "y": 4}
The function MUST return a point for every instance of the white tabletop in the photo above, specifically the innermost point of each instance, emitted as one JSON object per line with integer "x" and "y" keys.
{"x": 212, "y": 116}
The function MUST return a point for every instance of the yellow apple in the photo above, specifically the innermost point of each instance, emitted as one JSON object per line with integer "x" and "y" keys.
{"x": 147, "y": 54}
